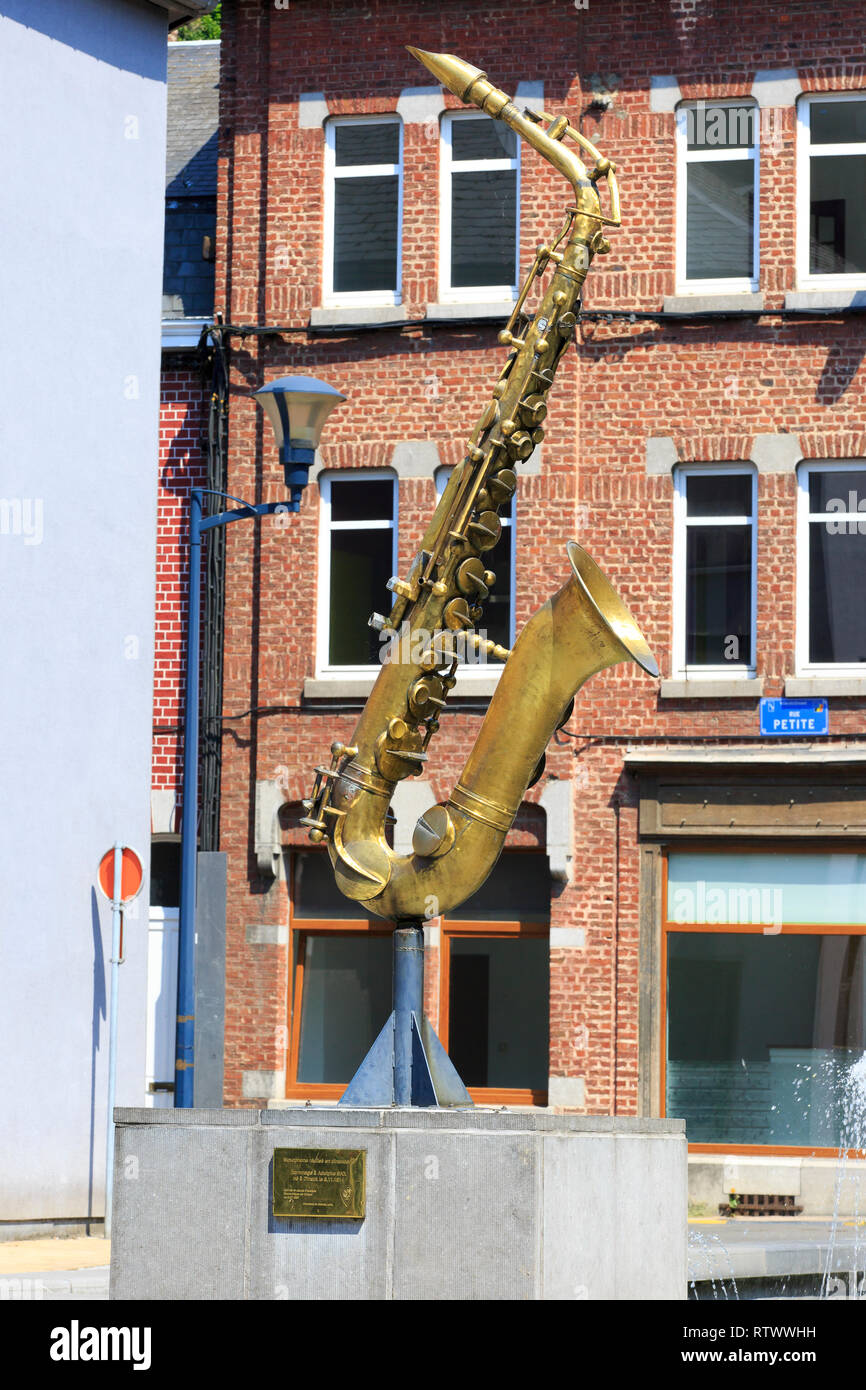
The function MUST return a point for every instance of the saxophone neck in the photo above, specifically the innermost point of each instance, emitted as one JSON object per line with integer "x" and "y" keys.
{"x": 472, "y": 86}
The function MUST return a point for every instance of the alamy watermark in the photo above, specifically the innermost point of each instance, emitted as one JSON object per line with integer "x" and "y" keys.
{"x": 849, "y": 524}
{"x": 760, "y": 907}
{"x": 22, "y": 516}
{"x": 413, "y": 646}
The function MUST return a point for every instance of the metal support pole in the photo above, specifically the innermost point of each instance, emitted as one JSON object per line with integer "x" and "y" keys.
{"x": 116, "y": 920}
{"x": 408, "y": 1000}
{"x": 185, "y": 1037}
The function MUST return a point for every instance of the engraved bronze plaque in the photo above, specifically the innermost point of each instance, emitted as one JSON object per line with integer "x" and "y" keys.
{"x": 320, "y": 1182}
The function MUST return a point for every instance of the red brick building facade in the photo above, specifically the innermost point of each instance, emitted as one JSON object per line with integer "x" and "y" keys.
{"x": 181, "y": 467}
{"x": 716, "y": 362}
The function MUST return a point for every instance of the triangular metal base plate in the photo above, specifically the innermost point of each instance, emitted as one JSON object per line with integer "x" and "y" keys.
{"x": 373, "y": 1082}
{"x": 435, "y": 1082}
{"x": 447, "y": 1085}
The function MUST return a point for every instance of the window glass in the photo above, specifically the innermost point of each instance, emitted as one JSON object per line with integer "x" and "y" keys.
{"x": 762, "y": 1033}
{"x": 837, "y": 565}
{"x": 363, "y": 162}
{"x": 165, "y": 873}
{"x": 360, "y": 529}
{"x": 720, "y": 235}
{"x": 483, "y": 213}
{"x": 367, "y": 499}
{"x": 836, "y": 134}
{"x": 838, "y": 122}
{"x": 482, "y": 139}
{"x": 837, "y": 584}
{"x": 346, "y": 1001}
{"x": 767, "y": 889}
{"x": 763, "y": 1023}
{"x": 480, "y": 161}
{"x": 712, "y": 127}
{"x": 718, "y": 558}
{"x": 837, "y": 233}
{"x": 365, "y": 233}
{"x": 835, "y": 491}
{"x": 719, "y": 494}
{"x": 376, "y": 142}
{"x": 717, "y": 170}
{"x": 718, "y": 594}
{"x": 498, "y": 1011}
{"x": 360, "y": 569}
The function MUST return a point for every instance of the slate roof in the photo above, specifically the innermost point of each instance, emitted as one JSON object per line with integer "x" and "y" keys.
{"x": 190, "y": 178}
{"x": 193, "y": 118}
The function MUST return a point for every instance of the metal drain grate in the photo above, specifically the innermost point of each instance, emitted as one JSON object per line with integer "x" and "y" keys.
{"x": 759, "y": 1204}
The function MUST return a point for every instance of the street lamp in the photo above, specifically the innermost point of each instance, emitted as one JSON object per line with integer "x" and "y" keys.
{"x": 297, "y": 407}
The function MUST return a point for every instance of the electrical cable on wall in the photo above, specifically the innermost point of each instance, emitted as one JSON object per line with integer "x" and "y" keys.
{"x": 213, "y": 352}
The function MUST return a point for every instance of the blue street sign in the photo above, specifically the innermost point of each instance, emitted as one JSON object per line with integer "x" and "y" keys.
{"x": 803, "y": 717}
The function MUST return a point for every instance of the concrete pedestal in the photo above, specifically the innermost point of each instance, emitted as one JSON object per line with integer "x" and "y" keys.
{"x": 469, "y": 1204}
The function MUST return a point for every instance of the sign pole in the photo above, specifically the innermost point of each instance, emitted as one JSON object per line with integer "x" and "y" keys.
{"x": 116, "y": 919}
{"x": 113, "y": 866}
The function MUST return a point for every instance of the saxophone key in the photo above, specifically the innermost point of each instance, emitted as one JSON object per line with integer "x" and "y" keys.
{"x": 424, "y": 694}
{"x": 456, "y": 615}
{"x": 520, "y": 445}
{"x": 434, "y": 833}
{"x": 473, "y": 579}
{"x": 502, "y": 485}
{"x": 401, "y": 587}
{"x": 485, "y": 530}
{"x": 533, "y": 410}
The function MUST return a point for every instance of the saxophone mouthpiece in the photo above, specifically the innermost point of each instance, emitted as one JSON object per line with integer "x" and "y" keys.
{"x": 451, "y": 72}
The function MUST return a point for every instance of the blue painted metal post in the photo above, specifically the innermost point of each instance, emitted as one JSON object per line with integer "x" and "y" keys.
{"x": 116, "y": 920}
{"x": 408, "y": 1000}
{"x": 184, "y": 1076}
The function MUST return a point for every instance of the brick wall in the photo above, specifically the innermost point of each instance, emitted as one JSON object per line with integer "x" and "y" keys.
{"x": 181, "y": 467}
{"x": 710, "y": 387}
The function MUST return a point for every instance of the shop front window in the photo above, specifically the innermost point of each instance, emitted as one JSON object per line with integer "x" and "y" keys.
{"x": 766, "y": 995}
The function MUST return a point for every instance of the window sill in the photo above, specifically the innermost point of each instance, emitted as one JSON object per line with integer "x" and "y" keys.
{"x": 826, "y": 686}
{"x": 336, "y": 687}
{"x": 470, "y": 310}
{"x": 358, "y": 316}
{"x": 728, "y": 688}
{"x": 811, "y": 300}
{"x": 705, "y": 303}
{"x": 357, "y": 687}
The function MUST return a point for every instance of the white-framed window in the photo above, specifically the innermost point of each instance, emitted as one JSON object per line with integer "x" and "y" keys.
{"x": 363, "y": 210}
{"x": 717, "y": 197}
{"x": 831, "y": 568}
{"x": 357, "y": 557}
{"x": 479, "y": 209}
{"x": 715, "y": 566}
{"x": 498, "y": 623}
{"x": 831, "y": 190}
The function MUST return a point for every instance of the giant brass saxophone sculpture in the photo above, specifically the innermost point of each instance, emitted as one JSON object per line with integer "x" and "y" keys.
{"x": 579, "y": 631}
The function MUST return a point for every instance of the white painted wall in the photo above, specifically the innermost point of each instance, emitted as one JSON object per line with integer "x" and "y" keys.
{"x": 82, "y": 158}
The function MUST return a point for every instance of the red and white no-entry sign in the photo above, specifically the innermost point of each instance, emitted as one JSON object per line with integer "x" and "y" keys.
{"x": 131, "y": 874}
